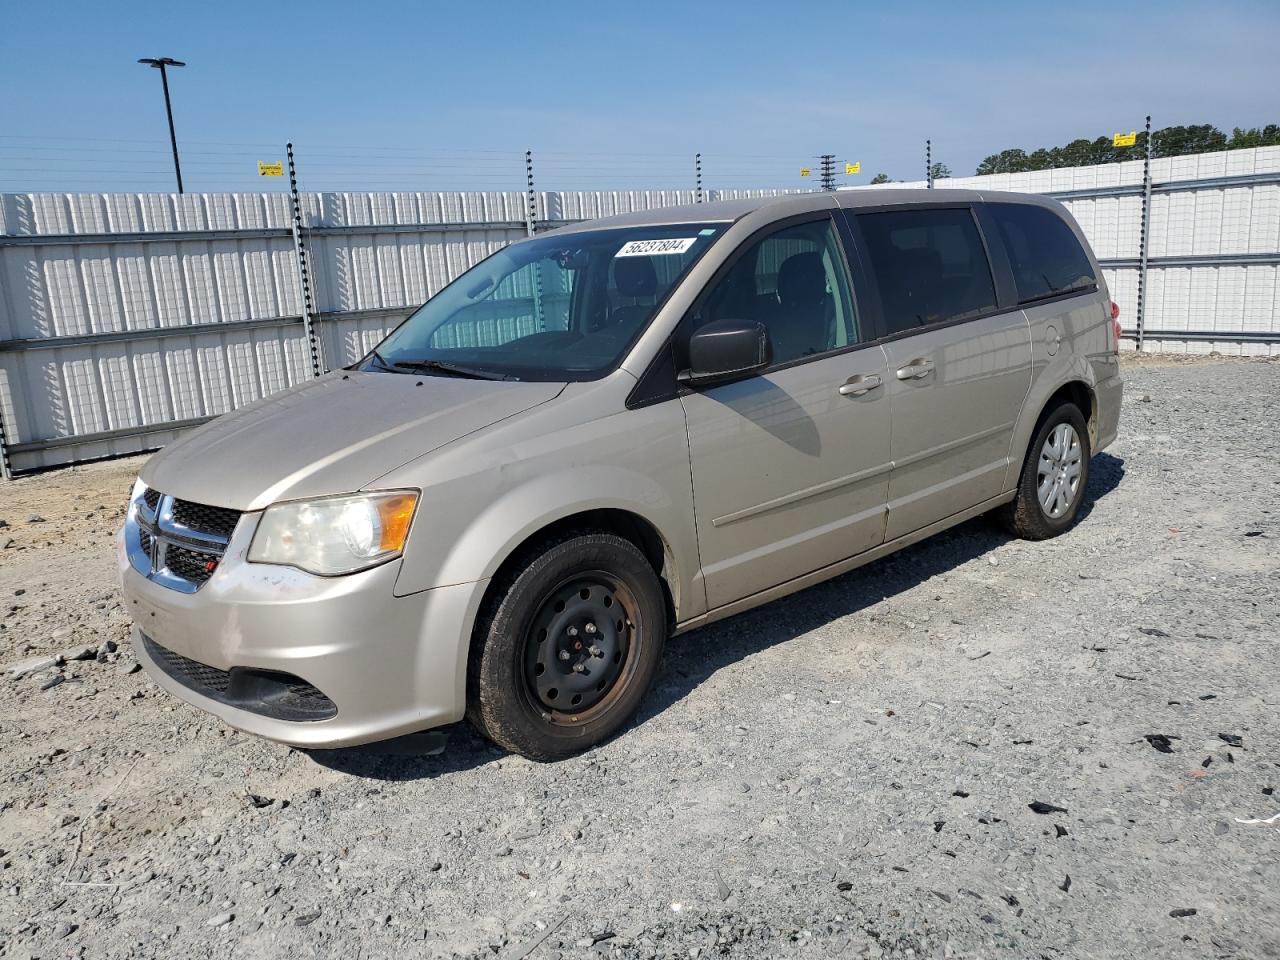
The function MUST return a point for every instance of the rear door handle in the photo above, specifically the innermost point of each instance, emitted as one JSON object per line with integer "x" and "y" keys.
{"x": 857, "y": 386}
{"x": 917, "y": 369}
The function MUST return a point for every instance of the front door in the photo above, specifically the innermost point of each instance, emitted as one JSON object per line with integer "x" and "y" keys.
{"x": 959, "y": 367}
{"x": 790, "y": 467}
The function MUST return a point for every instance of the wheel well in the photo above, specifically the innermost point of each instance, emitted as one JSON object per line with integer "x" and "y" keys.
{"x": 1079, "y": 393}
{"x": 622, "y": 523}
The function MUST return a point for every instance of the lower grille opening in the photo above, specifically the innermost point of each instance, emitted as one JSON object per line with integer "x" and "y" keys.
{"x": 268, "y": 693}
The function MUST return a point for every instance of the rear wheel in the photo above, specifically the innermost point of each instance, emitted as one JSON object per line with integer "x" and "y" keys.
{"x": 567, "y": 646}
{"x": 1054, "y": 476}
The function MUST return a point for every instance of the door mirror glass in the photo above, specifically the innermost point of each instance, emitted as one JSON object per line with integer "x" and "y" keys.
{"x": 727, "y": 350}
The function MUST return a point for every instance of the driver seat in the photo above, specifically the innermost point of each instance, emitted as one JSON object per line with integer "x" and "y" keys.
{"x": 803, "y": 321}
{"x": 636, "y": 279}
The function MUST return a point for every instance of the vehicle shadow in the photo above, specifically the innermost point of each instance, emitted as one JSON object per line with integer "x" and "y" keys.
{"x": 401, "y": 760}
{"x": 692, "y": 659}
{"x": 1105, "y": 474}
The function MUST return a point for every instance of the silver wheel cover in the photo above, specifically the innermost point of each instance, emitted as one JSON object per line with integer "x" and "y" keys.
{"x": 1059, "y": 470}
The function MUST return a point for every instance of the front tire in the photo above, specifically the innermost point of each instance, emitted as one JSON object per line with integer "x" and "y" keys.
{"x": 566, "y": 646}
{"x": 1053, "y": 479}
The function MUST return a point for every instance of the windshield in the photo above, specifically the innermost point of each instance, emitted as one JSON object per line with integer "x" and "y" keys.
{"x": 550, "y": 308}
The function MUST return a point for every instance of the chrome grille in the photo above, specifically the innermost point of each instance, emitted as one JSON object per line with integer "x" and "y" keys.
{"x": 178, "y": 543}
{"x": 215, "y": 520}
{"x": 190, "y": 565}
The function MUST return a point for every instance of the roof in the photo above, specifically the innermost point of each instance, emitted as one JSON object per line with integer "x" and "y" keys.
{"x": 727, "y": 211}
{"x": 883, "y": 196}
{"x": 717, "y": 211}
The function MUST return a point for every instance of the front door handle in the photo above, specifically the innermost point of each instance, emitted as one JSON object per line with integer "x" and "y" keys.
{"x": 917, "y": 369}
{"x": 857, "y": 386}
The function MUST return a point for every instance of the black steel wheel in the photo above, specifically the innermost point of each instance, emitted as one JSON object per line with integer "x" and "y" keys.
{"x": 578, "y": 647}
{"x": 567, "y": 646}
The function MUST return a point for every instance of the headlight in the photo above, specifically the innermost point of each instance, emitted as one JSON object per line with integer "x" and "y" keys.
{"x": 335, "y": 535}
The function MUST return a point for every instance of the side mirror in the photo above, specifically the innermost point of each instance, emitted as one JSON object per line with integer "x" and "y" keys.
{"x": 726, "y": 350}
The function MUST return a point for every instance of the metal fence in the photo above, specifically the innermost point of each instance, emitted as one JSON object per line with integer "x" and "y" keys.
{"x": 126, "y": 318}
{"x": 1190, "y": 245}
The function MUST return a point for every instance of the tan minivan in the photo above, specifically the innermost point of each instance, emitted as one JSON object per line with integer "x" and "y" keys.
{"x": 614, "y": 432}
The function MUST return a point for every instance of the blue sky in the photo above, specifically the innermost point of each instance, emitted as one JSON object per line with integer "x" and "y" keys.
{"x": 607, "y": 95}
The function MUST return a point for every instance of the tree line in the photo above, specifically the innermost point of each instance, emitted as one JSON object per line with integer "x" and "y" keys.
{"x": 1168, "y": 142}
{"x": 939, "y": 171}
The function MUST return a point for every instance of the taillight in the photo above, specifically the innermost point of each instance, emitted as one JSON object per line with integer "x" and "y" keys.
{"x": 1116, "y": 329}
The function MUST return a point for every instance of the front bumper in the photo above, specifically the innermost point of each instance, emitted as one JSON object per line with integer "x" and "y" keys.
{"x": 391, "y": 665}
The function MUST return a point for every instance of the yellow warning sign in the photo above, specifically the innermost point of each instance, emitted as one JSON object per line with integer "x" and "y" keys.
{"x": 852, "y": 168}
{"x": 1125, "y": 139}
{"x": 805, "y": 171}
{"x": 270, "y": 169}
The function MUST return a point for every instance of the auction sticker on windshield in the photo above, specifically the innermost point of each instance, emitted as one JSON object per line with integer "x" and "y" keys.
{"x": 645, "y": 248}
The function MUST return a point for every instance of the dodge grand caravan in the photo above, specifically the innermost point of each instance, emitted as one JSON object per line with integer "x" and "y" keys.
{"x": 611, "y": 433}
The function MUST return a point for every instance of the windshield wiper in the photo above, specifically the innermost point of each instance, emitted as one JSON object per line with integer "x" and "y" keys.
{"x": 443, "y": 366}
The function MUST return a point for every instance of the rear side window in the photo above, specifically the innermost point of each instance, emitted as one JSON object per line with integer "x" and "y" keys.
{"x": 930, "y": 266}
{"x": 1046, "y": 257}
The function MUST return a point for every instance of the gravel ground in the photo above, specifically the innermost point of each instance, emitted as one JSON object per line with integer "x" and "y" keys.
{"x": 976, "y": 747}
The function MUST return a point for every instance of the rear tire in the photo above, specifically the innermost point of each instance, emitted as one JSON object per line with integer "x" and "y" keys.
{"x": 1053, "y": 479}
{"x": 567, "y": 646}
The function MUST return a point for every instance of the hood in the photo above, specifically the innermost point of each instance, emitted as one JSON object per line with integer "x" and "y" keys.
{"x": 330, "y": 436}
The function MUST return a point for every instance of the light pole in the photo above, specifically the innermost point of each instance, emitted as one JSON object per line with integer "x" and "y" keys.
{"x": 162, "y": 63}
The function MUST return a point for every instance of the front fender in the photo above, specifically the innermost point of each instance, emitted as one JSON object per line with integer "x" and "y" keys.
{"x": 484, "y": 496}
{"x": 521, "y": 512}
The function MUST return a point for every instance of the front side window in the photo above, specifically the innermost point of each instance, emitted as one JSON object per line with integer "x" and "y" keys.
{"x": 795, "y": 282}
{"x": 551, "y": 308}
{"x": 1046, "y": 257}
{"x": 930, "y": 266}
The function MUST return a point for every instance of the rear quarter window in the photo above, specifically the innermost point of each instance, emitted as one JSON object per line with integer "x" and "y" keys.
{"x": 1046, "y": 257}
{"x": 930, "y": 266}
